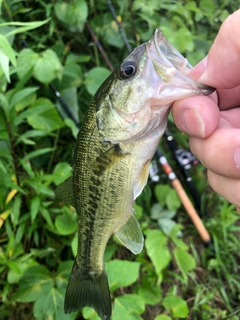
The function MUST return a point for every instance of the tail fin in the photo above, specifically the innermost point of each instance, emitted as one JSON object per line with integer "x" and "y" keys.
{"x": 86, "y": 289}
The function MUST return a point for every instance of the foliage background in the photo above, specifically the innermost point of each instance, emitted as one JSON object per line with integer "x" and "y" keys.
{"x": 47, "y": 43}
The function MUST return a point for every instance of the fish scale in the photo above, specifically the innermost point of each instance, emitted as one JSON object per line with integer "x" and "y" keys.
{"x": 118, "y": 138}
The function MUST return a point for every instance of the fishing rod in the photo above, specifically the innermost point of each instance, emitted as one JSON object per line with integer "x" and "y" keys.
{"x": 185, "y": 160}
{"x": 202, "y": 231}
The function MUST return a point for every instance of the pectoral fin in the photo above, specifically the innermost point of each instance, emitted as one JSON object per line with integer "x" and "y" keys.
{"x": 131, "y": 235}
{"x": 140, "y": 184}
{"x": 108, "y": 159}
{"x": 65, "y": 191}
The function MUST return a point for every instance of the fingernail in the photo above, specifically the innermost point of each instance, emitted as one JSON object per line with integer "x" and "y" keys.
{"x": 200, "y": 70}
{"x": 193, "y": 122}
{"x": 237, "y": 157}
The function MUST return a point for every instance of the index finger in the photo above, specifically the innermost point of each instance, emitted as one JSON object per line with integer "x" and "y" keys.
{"x": 221, "y": 69}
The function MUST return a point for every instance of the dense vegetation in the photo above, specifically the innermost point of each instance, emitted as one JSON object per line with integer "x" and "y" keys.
{"x": 46, "y": 44}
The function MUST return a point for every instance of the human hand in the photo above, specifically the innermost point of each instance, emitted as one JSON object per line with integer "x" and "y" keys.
{"x": 213, "y": 123}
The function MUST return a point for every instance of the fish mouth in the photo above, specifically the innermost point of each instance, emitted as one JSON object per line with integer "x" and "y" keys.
{"x": 173, "y": 69}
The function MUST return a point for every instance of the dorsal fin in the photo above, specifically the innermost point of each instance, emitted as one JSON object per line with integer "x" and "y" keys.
{"x": 65, "y": 191}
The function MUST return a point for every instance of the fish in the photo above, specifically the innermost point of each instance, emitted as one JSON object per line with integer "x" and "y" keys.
{"x": 118, "y": 138}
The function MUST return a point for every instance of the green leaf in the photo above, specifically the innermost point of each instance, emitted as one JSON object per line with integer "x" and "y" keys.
{"x": 37, "y": 153}
{"x": 172, "y": 200}
{"x": 162, "y": 317}
{"x": 34, "y": 207}
{"x": 44, "y": 116}
{"x": 7, "y": 49}
{"x": 23, "y": 26}
{"x": 150, "y": 291}
{"x": 73, "y": 13}
{"x": 61, "y": 172}
{"x": 47, "y": 67}
{"x": 161, "y": 191}
{"x": 4, "y": 64}
{"x": 184, "y": 260}
{"x": 22, "y": 98}
{"x": 90, "y": 314}
{"x": 166, "y": 225}
{"x": 63, "y": 274}
{"x": 26, "y": 60}
{"x": 156, "y": 245}
{"x": 50, "y": 306}
{"x": 65, "y": 224}
{"x": 94, "y": 78}
{"x": 176, "y": 306}
{"x": 33, "y": 283}
{"x": 130, "y": 306}
{"x": 14, "y": 275}
{"x": 121, "y": 273}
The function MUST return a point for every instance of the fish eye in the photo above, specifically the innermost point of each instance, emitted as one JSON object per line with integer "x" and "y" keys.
{"x": 128, "y": 69}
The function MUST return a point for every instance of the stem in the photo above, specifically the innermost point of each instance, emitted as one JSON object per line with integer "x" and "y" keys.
{"x": 13, "y": 153}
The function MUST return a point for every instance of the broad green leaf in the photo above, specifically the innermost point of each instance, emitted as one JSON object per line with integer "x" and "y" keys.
{"x": 61, "y": 172}
{"x": 63, "y": 274}
{"x": 95, "y": 77}
{"x": 33, "y": 283}
{"x": 65, "y": 225}
{"x": 158, "y": 252}
{"x": 176, "y": 306}
{"x": 47, "y": 67}
{"x": 162, "y": 317}
{"x": 73, "y": 13}
{"x": 50, "y": 306}
{"x": 26, "y": 60}
{"x": 184, "y": 260}
{"x": 129, "y": 305}
{"x": 44, "y": 116}
{"x": 150, "y": 291}
{"x": 166, "y": 225}
{"x": 14, "y": 275}
{"x": 161, "y": 191}
{"x": 172, "y": 200}
{"x": 90, "y": 314}
{"x": 121, "y": 273}
{"x": 23, "y": 98}
{"x": 72, "y": 77}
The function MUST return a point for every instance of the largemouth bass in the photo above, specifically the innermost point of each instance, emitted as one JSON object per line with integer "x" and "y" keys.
{"x": 115, "y": 145}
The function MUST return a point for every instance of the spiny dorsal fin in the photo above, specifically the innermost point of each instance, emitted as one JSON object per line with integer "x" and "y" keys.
{"x": 65, "y": 191}
{"x": 131, "y": 235}
{"x": 142, "y": 181}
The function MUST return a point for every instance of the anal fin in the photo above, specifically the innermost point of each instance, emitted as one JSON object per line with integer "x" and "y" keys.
{"x": 131, "y": 235}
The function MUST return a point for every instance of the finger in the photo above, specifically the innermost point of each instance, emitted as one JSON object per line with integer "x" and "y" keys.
{"x": 228, "y": 188}
{"x": 229, "y": 98}
{"x": 220, "y": 152}
{"x": 196, "y": 116}
{"x": 222, "y": 67}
